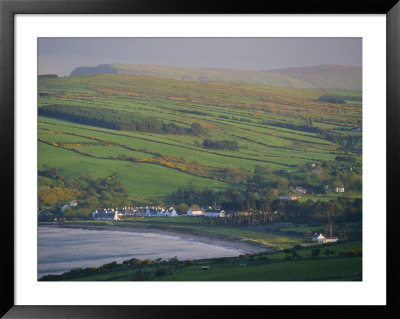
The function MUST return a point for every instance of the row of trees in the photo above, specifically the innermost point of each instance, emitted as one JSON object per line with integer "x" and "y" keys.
{"x": 221, "y": 145}
{"x": 262, "y": 207}
{"x": 116, "y": 119}
{"x": 339, "y": 99}
{"x": 332, "y": 99}
{"x": 297, "y": 127}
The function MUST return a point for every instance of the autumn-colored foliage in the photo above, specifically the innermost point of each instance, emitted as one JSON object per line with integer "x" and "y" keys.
{"x": 54, "y": 195}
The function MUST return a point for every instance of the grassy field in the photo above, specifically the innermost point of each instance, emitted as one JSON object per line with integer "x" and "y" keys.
{"x": 245, "y": 113}
{"x": 259, "y": 267}
{"x": 298, "y": 270}
{"x": 328, "y": 197}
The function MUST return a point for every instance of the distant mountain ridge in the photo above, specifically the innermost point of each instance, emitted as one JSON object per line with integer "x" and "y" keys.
{"x": 320, "y": 76}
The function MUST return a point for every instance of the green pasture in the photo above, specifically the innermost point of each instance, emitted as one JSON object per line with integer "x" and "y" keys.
{"x": 335, "y": 247}
{"x": 260, "y": 267}
{"x": 229, "y": 111}
{"x": 298, "y": 270}
{"x": 139, "y": 179}
{"x": 170, "y": 145}
{"x": 112, "y": 151}
{"x": 300, "y": 229}
{"x": 332, "y": 269}
{"x": 328, "y": 197}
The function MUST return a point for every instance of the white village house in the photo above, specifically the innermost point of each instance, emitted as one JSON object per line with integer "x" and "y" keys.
{"x": 321, "y": 239}
{"x": 106, "y": 215}
{"x": 73, "y": 203}
{"x": 214, "y": 213}
{"x": 300, "y": 190}
{"x": 171, "y": 212}
{"x": 318, "y": 238}
{"x": 340, "y": 189}
{"x": 195, "y": 212}
{"x": 160, "y": 212}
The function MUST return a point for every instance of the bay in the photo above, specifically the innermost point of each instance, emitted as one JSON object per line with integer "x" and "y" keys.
{"x": 62, "y": 249}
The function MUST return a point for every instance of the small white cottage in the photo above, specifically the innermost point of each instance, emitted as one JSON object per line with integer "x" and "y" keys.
{"x": 319, "y": 238}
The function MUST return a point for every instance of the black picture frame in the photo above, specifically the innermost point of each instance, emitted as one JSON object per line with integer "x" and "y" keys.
{"x": 8, "y": 8}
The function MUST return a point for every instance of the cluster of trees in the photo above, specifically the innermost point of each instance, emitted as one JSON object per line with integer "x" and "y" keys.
{"x": 262, "y": 207}
{"x": 332, "y": 99}
{"x": 346, "y": 159}
{"x": 328, "y": 173}
{"x": 47, "y": 76}
{"x": 115, "y": 119}
{"x": 273, "y": 183}
{"x": 196, "y": 129}
{"x": 339, "y": 99}
{"x": 297, "y": 127}
{"x": 146, "y": 269}
{"x": 292, "y": 253}
{"x": 53, "y": 195}
{"x": 347, "y": 142}
{"x": 90, "y": 193}
{"x": 193, "y": 112}
{"x": 221, "y": 145}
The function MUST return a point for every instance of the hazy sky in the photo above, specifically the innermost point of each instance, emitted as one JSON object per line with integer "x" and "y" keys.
{"x": 62, "y": 55}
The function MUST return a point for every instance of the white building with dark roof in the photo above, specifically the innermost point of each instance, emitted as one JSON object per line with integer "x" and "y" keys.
{"x": 105, "y": 215}
{"x": 214, "y": 213}
{"x": 321, "y": 239}
{"x": 193, "y": 212}
{"x": 340, "y": 189}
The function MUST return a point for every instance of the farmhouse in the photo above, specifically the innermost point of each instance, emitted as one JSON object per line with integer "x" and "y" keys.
{"x": 339, "y": 189}
{"x": 300, "y": 190}
{"x": 321, "y": 239}
{"x": 214, "y": 213}
{"x": 308, "y": 165}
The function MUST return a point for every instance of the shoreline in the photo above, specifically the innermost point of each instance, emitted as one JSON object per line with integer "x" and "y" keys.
{"x": 247, "y": 248}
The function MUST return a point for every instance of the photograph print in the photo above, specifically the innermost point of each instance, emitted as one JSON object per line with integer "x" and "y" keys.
{"x": 199, "y": 159}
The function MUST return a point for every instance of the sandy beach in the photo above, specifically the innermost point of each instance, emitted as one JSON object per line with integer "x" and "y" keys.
{"x": 246, "y": 247}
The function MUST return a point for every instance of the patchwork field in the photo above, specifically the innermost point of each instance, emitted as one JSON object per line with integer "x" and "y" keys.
{"x": 266, "y": 122}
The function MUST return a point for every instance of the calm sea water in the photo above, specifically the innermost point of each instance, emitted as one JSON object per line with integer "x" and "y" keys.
{"x": 61, "y": 249}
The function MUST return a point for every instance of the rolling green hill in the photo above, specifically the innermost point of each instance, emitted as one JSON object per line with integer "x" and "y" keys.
{"x": 278, "y": 128}
{"x": 326, "y": 76}
{"x": 323, "y": 76}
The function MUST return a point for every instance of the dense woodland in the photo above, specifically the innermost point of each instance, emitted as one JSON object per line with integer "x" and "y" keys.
{"x": 221, "y": 145}
{"x": 262, "y": 206}
{"x": 115, "y": 119}
{"x": 338, "y": 99}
